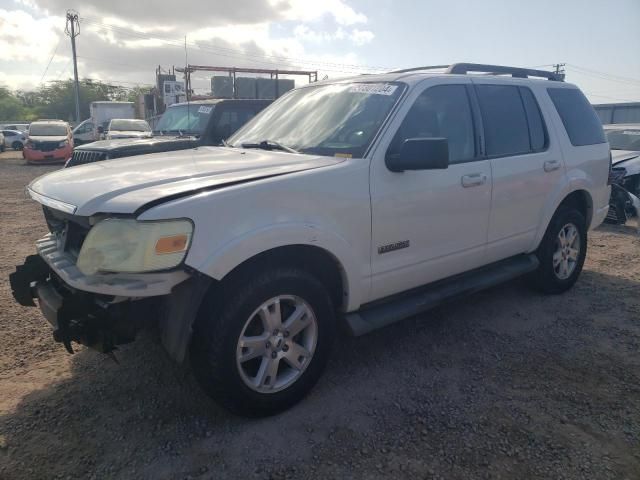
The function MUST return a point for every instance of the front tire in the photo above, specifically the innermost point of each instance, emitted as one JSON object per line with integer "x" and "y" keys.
{"x": 260, "y": 345}
{"x": 17, "y": 146}
{"x": 562, "y": 252}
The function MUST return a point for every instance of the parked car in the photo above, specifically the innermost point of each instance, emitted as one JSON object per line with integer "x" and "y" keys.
{"x": 624, "y": 140}
{"x": 100, "y": 114}
{"x": 128, "y": 128}
{"x": 182, "y": 126}
{"x": 14, "y": 139}
{"x": 22, "y": 127}
{"x": 85, "y": 132}
{"x": 2, "y": 140}
{"x": 356, "y": 202}
{"x": 48, "y": 141}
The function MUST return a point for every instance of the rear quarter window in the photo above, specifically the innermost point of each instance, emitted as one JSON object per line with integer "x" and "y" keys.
{"x": 578, "y": 116}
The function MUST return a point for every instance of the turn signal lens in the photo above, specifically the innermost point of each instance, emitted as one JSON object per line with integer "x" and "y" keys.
{"x": 172, "y": 244}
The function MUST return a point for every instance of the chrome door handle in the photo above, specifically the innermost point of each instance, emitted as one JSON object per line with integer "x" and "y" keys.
{"x": 474, "y": 180}
{"x": 551, "y": 165}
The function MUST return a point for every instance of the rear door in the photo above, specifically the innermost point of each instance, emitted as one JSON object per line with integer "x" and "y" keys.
{"x": 526, "y": 166}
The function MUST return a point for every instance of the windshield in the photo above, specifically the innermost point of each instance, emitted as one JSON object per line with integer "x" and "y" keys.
{"x": 627, "y": 139}
{"x": 192, "y": 118}
{"x": 339, "y": 119}
{"x": 48, "y": 129}
{"x": 129, "y": 125}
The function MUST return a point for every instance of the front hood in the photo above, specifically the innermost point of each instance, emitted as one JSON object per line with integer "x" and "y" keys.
{"x": 48, "y": 138}
{"x": 139, "y": 146}
{"x": 629, "y": 160}
{"x": 618, "y": 156}
{"x": 129, "y": 184}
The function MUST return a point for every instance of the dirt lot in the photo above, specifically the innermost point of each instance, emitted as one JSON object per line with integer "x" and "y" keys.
{"x": 506, "y": 384}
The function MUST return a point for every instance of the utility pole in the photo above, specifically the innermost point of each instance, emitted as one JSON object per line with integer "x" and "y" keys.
{"x": 559, "y": 69}
{"x": 73, "y": 30}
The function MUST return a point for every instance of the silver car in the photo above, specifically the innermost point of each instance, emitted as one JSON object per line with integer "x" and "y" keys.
{"x": 14, "y": 139}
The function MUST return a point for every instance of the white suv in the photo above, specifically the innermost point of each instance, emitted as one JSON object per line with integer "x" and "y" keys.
{"x": 357, "y": 202}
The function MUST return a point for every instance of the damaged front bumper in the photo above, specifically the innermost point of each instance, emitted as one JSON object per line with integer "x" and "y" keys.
{"x": 98, "y": 321}
{"x": 125, "y": 305}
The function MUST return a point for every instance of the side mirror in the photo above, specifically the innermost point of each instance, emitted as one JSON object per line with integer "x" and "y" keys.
{"x": 420, "y": 154}
{"x": 100, "y": 129}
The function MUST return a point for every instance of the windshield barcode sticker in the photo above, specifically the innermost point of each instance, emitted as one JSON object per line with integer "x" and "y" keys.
{"x": 374, "y": 88}
{"x": 204, "y": 109}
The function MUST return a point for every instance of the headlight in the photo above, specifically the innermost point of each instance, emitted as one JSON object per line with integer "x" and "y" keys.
{"x": 127, "y": 245}
{"x": 64, "y": 143}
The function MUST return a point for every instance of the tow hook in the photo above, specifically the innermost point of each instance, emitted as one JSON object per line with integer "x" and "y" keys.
{"x": 34, "y": 269}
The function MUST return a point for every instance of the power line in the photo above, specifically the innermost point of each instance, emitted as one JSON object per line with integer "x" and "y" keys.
{"x": 603, "y": 75}
{"x": 55, "y": 50}
{"x": 228, "y": 52}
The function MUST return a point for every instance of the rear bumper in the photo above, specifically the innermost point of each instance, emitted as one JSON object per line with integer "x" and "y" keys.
{"x": 598, "y": 216}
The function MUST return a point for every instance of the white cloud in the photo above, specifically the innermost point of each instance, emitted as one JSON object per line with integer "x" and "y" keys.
{"x": 128, "y": 50}
{"x": 309, "y": 10}
{"x": 356, "y": 36}
{"x": 22, "y": 37}
{"x": 361, "y": 37}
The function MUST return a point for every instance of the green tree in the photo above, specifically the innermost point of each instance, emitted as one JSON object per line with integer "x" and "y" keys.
{"x": 57, "y": 99}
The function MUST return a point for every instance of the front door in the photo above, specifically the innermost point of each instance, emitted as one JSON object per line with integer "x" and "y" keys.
{"x": 430, "y": 224}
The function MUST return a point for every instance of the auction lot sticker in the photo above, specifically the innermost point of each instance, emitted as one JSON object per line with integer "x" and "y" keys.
{"x": 373, "y": 88}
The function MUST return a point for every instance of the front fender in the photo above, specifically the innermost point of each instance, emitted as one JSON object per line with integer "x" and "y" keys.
{"x": 239, "y": 249}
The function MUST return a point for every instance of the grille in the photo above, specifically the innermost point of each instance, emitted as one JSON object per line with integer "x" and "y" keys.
{"x": 46, "y": 146}
{"x": 75, "y": 238}
{"x": 80, "y": 157}
{"x": 71, "y": 228}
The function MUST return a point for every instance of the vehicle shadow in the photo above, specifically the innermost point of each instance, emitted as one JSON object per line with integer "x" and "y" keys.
{"x": 632, "y": 227}
{"x": 460, "y": 377}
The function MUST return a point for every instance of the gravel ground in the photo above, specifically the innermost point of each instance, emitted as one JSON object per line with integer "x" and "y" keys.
{"x": 507, "y": 384}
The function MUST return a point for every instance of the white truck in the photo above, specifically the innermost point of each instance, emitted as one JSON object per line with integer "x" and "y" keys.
{"x": 100, "y": 114}
{"x": 358, "y": 202}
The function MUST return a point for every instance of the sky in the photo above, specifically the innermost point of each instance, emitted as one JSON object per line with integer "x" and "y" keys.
{"x": 123, "y": 41}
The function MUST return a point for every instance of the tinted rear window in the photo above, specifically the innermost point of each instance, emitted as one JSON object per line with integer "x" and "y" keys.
{"x": 578, "y": 116}
{"x": 537, "y": 131}
{"x": 505, "y": 122}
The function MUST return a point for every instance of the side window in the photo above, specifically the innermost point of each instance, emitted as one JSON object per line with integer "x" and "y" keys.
{"x": 537, "y": 130}
{"x": 578, "y": 116}
{"x": 504, "y": 119}
{"x": 231, "y": 120}
{"x": 442, "y": 111}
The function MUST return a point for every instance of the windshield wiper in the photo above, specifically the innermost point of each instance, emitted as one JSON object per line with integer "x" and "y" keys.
{"x": 270, "y": 145}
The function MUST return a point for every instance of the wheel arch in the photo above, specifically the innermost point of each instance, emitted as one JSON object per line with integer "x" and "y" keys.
{"x": 313, "y": 259}
{"x": 308, "y": 245}
{"x": 578, "y": 198}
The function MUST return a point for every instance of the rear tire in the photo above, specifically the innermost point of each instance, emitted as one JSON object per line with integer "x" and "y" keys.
{"x": 562, "y": 252}
{"x": 242, "y": 352}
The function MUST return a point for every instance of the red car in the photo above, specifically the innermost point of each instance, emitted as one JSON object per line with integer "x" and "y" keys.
{"x": 48, "y": 141}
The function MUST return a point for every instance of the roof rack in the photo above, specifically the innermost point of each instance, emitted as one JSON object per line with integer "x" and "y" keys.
{"x": 464, "y": 68}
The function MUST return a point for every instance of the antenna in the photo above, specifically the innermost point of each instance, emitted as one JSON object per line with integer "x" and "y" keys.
{"x": 186, "y": 66}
